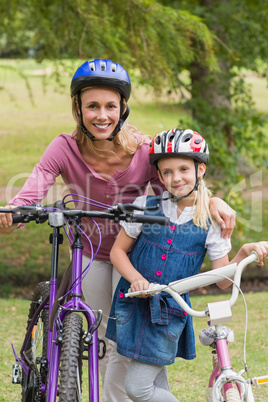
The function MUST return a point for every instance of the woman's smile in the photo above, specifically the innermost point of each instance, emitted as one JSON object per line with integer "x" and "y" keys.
{"x": 102, "y": 126}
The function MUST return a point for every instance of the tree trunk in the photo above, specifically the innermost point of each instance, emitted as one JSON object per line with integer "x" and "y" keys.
{"x": 211, "y": 91}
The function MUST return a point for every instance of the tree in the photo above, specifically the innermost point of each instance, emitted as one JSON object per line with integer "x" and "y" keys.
{"x": 222, "y": 96}
{"x": 142, "y": 34}
{"x": 214, "y": 41}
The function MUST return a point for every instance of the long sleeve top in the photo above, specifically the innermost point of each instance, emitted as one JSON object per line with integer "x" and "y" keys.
{"x": 63, "y": 158}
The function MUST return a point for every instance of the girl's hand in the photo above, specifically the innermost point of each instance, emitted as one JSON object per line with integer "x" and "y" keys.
{"x": 138, "y": 285}
{"x": 261, "y": 248}
{"x": 223, "y": 215}
{"x": 6, "y": 222}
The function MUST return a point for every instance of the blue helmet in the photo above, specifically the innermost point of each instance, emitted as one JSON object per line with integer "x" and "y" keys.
{"x": 101, "y": 73}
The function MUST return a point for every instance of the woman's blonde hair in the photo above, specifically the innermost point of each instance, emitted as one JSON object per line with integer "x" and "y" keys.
{"x": 202, "y": 212}
{"x": 126, "y": 137}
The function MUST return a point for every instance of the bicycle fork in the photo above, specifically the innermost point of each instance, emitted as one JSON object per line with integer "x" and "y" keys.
{"x": 225, "y": 376}
{"x": 75, "y": 304}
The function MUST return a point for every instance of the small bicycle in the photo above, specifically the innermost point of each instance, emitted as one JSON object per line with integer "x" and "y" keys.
{"x": 49, "y": 364}
{"x": 225, "y": 384}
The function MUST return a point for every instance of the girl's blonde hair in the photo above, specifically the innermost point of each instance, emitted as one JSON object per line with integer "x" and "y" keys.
{"x": 126, "y": 138}
{"x": 202, "y": 212}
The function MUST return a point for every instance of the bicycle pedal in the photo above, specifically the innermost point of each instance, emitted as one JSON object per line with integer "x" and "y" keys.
{"x": 101, "y": 349}
{"x": 16, "y": 374}
{"x": 260, "y": 380}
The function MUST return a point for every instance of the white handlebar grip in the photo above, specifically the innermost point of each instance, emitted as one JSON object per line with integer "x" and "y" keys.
{"x": 256, "y": 255}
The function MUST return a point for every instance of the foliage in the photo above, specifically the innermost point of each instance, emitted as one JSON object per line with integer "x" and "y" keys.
{"x": 214, "y": 42}
{"x": 138, "y": 33}
{"x": 240, "y": 43}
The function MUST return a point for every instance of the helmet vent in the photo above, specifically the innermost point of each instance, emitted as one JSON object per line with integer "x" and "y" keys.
{"x": 186, "y": 138}
{"x": 157, "y": 140}
{"x": 113, "y": 68}
{"x": 92, "y": 66}
{"x": 103, "y": 66}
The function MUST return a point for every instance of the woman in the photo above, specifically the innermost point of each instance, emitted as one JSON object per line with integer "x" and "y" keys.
{"x": 105, "y": 158}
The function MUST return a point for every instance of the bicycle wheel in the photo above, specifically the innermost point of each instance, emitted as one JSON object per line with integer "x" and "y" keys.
{"x": 70, "y": 383}
{"x": 232, "y": 395}
{"x": 35, "y": 351}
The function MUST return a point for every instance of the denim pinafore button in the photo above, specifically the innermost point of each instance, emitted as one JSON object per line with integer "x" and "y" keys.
{"x": 156, "y": 330}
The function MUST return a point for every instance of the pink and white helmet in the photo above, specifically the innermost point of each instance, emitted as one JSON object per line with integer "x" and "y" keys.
{"x": 185, "y": 143}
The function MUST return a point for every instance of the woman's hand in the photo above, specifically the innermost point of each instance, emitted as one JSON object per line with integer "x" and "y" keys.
{"x": 223, "y": 214}
{"x": 6, "y": 222}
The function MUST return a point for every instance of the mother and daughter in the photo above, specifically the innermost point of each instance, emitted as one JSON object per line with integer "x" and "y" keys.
{"x": 107, "y": 158}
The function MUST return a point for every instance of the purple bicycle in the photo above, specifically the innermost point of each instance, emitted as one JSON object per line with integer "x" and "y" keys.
{"x": 49, "y": 365}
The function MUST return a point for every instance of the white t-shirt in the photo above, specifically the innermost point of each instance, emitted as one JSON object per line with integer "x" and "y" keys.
{"x": 216, "y": 246}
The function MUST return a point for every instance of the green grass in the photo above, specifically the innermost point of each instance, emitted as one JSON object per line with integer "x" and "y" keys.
{"x": 188, "y": 379}
{"x": 191, "y": 383}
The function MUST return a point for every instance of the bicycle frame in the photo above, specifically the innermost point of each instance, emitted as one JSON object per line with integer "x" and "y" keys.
{"x": 75, "y": 304}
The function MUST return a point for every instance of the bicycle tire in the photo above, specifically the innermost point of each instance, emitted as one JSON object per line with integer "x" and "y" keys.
{"x": 36, "y": 347}
{"x": 232, "y": 395}
{"x": 209, "y": 395}
{"x": 214, "y": 359}
{"x": 71, "y": 359}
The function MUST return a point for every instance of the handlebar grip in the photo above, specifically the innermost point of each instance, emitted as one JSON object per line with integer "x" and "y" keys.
{"x": 159, "y": 220}
{"x": 18, "y": 218}
{"x": 255, "y": 255}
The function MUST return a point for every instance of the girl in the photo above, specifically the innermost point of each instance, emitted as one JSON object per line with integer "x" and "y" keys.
{"x": 152, "y": 331}
{"x": 106, "y": 159}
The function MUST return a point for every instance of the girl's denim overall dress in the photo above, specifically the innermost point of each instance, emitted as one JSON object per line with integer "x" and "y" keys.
{"x": 156, "y": 330}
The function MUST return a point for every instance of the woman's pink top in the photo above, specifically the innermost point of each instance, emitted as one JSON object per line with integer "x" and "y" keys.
{"x": 62, "y": 157}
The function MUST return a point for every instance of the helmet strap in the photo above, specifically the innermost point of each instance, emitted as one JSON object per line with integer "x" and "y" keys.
{"x": 121, "y": 121}
{"x": 82, "y": 126}
{"x": 118, "y": 127}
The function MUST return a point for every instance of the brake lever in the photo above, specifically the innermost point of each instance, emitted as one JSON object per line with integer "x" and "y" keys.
{"x": 132, "y": 207}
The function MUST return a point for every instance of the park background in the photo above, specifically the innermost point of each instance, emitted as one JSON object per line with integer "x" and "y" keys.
{"x": 197, "y": 63}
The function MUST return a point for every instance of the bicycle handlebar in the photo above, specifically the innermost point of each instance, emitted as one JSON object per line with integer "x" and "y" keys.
{"x": 201, "y": 280}
{"x": 122, "y": 212}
